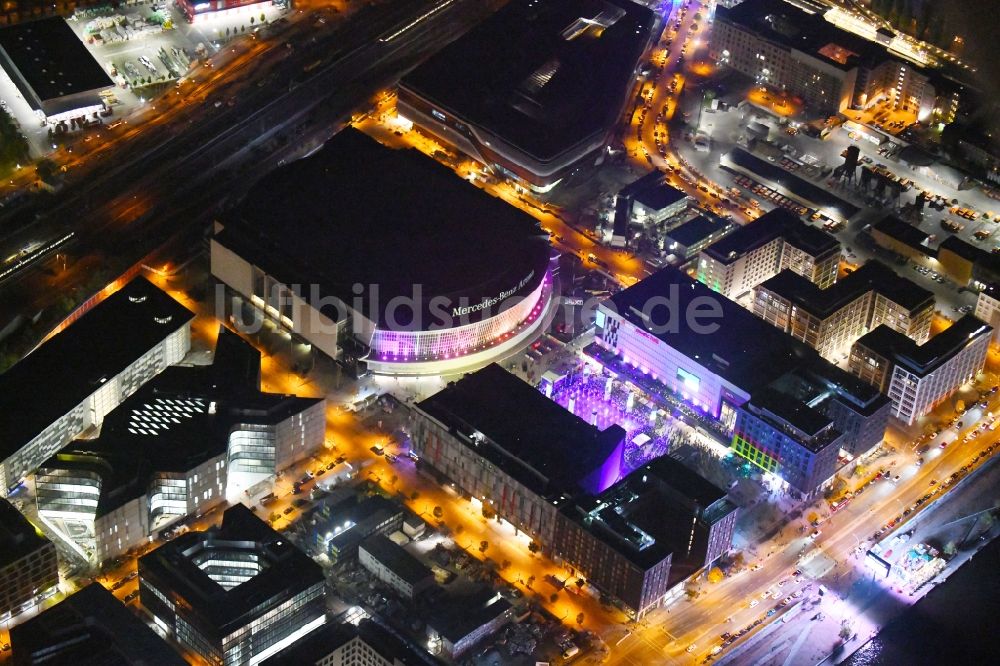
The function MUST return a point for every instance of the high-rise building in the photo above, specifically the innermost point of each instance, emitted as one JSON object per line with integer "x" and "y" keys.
{"x": 29, "y": 568}
{"x": 713, "y": 355}
{"x": 787, "y": 49}
{"x": 367, "y": 644}
{"x": 776, "y": 241}
{"x": 793, "y": 441}
{"x": 647, "y": 533}
{"x": 80, "y": 375}
{"x": 988, "y": 308}
{"x": 90, "y": 628}
{"x": 830, "y": 320}
{"x": 918, "y": 377}
{"x": 503, "y": 442}
{"x": 233, "y": 594}
{"x": 180, "y": 445}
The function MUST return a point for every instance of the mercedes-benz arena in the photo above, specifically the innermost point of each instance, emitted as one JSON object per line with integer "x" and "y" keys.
{"x": 536, "y": 88}
{"x": 390, "y": 255}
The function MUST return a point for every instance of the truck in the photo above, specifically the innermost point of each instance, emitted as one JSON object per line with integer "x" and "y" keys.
{"x": 341, "y": 473}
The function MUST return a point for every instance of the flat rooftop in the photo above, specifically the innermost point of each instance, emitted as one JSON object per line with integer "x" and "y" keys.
{"x": 322, "y": 642}
{"x": 684, "y": 481}
{"x": 810, "y": 422}
{"x": 653, "y": 191}
{"x": 49, "y": 62}
{"x": 778, "y": 223}
{"x": 695, "y": 231}
{"x": 535, "y": 440}
{"x": 746, "y": 351}
{"x": 786, "y": 24}
{"x": 458, "y": 615}
{"x": 90, "y": 628}
{"x": 904, "y": 232}
{"x": 360, "y": 213}
{"x": 923, "y": 359}
{"x": 396, "y": 558}
{"x": 542, "y": 76}
{"x": 285, "y": 570}
{"x": 872, "y": 276}
{"x": 18, "y": 537}
{"x": 177, "y": 421}
{"x": 72, "y": 365}
{"x": 646, "y": 517}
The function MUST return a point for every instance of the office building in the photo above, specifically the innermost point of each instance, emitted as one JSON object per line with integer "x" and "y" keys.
{"x": 344, "y": 520}
{"x": 535, "y": 90}
{"x": 183, "y": 443}
{"x": 367, "y": 644}
{"x": 89, "y": 628}
{"x": 86, "y": 371}
{"x": 53, "y": 70}
{"x": 790, "y": 440}
{"x": 647, "y": 533}
{"x": 786, "y": 49}
{"x": 830, "y": 320}
{"x": 466, "y": 619}
{"x": 648, "y": 201}
{"x": 918, "y": 377}
{"x": 713, "y": 355}
{"x": 395, "y": 567}
{"x": 776, "y": 241}
{"x": 523, "y": 467}
{"x": 442, "y": 308}
{"x": 687, "y": 240}
{"x": 29, "y": 568}
{"x": 988, "y": 308}
{"x": 234, "y": 594}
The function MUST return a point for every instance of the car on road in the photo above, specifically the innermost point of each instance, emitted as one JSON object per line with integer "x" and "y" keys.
{"x": 815, "y": 533}
{"x": 772, "y": 612}
{"x": 753, "y": 602}
{"x": 691, "y": 648}
{"x": 288, "y": 510}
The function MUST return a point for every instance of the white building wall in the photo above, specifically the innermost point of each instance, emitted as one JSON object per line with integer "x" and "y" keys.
{"x": 988, "y": 310}
{"x": 913, "y": 396}
{"x": 124, "y": 528}
{"x": 300, "y": 435}
{"x": 669, "y": 366}
{"x": 92, "y": 410}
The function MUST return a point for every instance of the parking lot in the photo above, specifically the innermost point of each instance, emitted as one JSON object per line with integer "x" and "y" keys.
{"x": 144, "y": 47}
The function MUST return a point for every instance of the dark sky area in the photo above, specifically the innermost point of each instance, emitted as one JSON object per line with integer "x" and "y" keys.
{"x": 978, "y": 21}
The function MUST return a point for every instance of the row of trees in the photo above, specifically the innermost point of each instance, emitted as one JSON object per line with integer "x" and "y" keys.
{"x": 13, "y": 144}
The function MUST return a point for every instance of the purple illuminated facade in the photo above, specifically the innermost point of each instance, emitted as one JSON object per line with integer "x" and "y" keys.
{"x": 460, "y": 345}
{"x": 501, "y": 441}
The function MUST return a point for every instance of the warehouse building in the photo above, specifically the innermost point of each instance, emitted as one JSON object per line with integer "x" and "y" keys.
{"x": 53, "y": 70}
